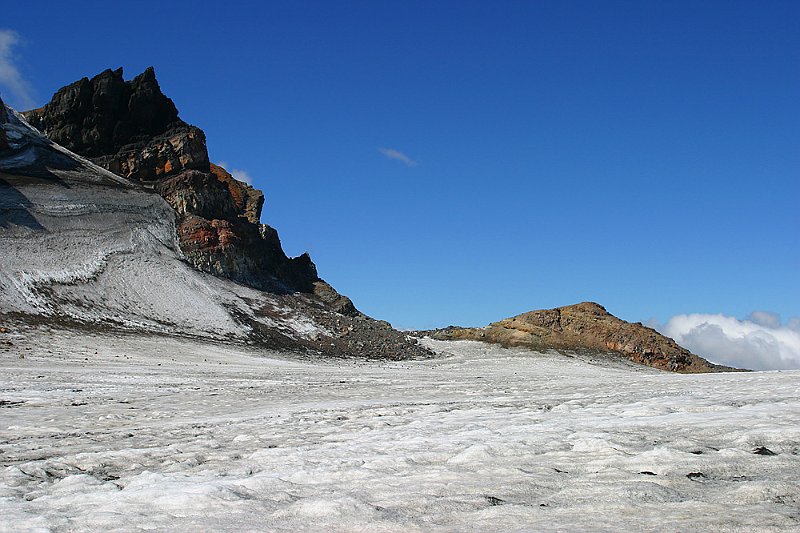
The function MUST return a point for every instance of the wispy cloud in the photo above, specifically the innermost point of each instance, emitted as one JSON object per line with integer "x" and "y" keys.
{"x": 10, "y": 77}
{"x": 237, "y": 173}
{"x": 398, "y": 155}
{"x": 759, "y": 342}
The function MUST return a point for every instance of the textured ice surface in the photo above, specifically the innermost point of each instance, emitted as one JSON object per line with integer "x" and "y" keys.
{"x": 156, "y": 434}
{"x": 108, "y": 255}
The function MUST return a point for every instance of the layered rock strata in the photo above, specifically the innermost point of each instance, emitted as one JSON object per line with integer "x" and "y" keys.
{"x": 132, "y": 129}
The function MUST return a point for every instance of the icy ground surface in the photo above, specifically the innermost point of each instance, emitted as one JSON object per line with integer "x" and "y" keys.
{"x": 157, "y": 434}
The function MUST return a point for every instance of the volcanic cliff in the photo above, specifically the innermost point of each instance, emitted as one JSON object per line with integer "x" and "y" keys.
{"x": 132, "y": 129}
{"x": 585, "y": 326}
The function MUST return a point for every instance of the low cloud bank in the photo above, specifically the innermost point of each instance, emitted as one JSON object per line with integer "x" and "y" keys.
{"x": 759, "y": 342}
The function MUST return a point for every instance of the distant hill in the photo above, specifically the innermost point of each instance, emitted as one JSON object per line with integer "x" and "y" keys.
{"x": 585, "y": 326}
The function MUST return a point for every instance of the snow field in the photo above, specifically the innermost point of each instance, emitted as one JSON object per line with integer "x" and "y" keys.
{"x": 163, "y": 434}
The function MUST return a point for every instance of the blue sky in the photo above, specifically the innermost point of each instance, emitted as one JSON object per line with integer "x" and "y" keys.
{"x": 640, "y": 154}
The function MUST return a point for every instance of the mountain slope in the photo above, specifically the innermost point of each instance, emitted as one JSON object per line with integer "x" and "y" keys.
{"x": 585, "y": 326}
{"x": 85, "y": 246}
{"x": 133, "y": 130}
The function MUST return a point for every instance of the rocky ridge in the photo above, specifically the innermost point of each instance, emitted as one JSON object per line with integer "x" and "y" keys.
{"x": 128, "y": 127}
{"x": 133, "y": 130}
{"x": 584, "y": 326}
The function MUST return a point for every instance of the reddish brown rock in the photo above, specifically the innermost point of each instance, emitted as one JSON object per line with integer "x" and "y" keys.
{"x": 248, "y": 200}
{"x": 178, "y": 149}
{"x": 132, "y": 129}
{"x": 585, "y": 326}
{"x": 192, "y": 192}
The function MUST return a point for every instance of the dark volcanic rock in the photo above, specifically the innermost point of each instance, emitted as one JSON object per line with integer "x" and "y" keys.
{"x": 762, "y": 450}
{"x": 179, "y": 148}
{"x": 334, "y": 300}
{"x": 236, "y": 250}
{"x": 220, "y": 234}
{"x": 132, "y": 129}
{"x": 128, "y": 127}
{"x": 585, "y": 326}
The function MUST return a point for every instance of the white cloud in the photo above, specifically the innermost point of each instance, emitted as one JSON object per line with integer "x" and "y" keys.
{"x": 237, "y": 173}
{"x": 241, "y": 175}
{"x": 765, "y": 318}
{"x": 398, "y": 155}
{"x": 10, "y": 78}
{"x": 759, "y": 342}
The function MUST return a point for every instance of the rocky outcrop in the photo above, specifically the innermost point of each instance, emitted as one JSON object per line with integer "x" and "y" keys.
{"x": 128, "y": 127}
{"x": 219, "y": 232}
{"x": 198, "y": 193}
{"x": 248, "y": 201}
{"x": 132, "y": 129}
{"x": 334, "y": 300}
{"x": 585, "y": 326}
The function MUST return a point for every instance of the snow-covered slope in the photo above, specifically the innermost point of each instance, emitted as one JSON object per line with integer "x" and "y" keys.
{"x": 126, "y": 433}
{"x": 79, "y": 242}
{"x": 85, "y": 246}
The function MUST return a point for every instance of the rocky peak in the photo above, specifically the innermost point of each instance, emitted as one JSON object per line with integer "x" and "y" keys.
{"x": 132, "y": 129}
{"x": 149, "y": 110}
{"x": 589, "y": 308}
{"x": 128, "y": 127}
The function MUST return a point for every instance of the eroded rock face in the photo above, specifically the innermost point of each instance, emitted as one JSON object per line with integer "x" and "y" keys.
{"x": 248, "y": 200}
{"x": 585, "y": 325}
{"x": 132, "y": 129}
{"x": 219, "y": 232}
{"x": 192, "y": 192}
{"x": 180, "y": 148}
{"x": 128, "y": 127}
